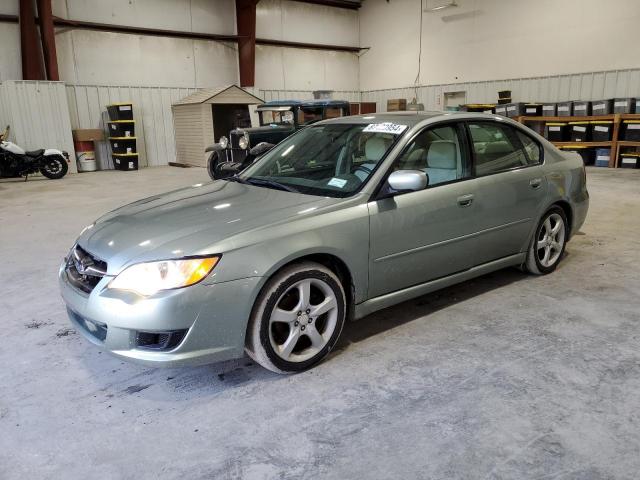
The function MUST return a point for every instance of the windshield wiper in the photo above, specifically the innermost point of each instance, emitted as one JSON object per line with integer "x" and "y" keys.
{"x": 270, "y": 183}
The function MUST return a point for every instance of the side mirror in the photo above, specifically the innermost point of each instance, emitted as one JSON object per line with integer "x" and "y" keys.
{"x": 408, "y": 180}
{"x": 261, "y": 148}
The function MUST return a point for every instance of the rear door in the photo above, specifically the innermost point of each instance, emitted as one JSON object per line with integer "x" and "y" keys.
{"x": 420, "y": 236}
{"x": 510, "y": 188}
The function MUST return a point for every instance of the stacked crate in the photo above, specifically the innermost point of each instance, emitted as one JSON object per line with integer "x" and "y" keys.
{"x": 122, "y": 136}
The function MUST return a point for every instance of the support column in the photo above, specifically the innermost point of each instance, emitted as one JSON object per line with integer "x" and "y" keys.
{"x": 32, "y": 68}
{"x": 47, "y": 35}
{"x": 246, "y": 23}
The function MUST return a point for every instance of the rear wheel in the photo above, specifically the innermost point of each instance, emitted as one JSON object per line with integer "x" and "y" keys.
{"x": 297, "y": 318}
{"x": 54, "y": 167}
{"x": 548, "y": 243}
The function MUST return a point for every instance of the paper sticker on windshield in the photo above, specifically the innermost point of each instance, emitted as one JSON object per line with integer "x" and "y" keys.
{"x": 386, "y": 127}
{"x": 337, "y": 182}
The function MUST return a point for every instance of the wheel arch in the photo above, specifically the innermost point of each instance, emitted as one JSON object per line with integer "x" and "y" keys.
{"x": 568, "y": 212}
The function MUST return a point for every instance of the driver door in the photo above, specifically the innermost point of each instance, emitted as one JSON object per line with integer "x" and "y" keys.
{"x": 420, "y": 236}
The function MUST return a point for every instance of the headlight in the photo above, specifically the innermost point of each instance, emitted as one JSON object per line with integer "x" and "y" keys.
{"x": 224, "y": 142}
{"x": 149, "y": 278}
{"x": 243, "y": 142}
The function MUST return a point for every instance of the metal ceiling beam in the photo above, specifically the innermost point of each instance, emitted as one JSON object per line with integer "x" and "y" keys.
{"x": 348, "y": 4}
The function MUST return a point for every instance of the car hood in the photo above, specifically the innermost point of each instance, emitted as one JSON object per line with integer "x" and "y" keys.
{"x": 190, "y": 221}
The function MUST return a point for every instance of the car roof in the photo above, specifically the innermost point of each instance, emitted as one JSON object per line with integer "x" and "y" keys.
{"x": 410, "y": 118}
{"x": 319, "y": 102}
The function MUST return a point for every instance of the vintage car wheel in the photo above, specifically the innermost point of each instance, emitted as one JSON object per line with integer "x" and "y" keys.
{"x": 212, "y": 164}
{"x": 548, "y": 243}
{"x": 297, "y": 318}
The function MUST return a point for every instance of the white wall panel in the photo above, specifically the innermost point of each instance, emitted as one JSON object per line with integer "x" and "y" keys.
{"x": 152, "y": 113}
{"x": 306, "y": 23}
{"x": 10, "y": 62}
{"x": 38, "y": 113}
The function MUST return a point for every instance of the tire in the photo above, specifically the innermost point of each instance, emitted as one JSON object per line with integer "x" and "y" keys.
{"x": 212, "y": 164}
{"x": 291, "y": 339}
{"x": 54, "y": 167}
{"x": 545, "y": 250}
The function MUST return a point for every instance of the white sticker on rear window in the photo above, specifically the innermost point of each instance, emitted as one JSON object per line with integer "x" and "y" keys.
{"x": 386, "y": 127}
{"x": 337, "y": 182}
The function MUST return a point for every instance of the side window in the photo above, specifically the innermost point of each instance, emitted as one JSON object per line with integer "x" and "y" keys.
{"x": 497, "y": 148}
{"x": 531, "y": 147}
{"x": 436, "y": 151}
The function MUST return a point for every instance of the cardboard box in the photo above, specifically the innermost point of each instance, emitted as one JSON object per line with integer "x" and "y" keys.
{"x": 396, "y": 104}
{"x": 88, "y": 135}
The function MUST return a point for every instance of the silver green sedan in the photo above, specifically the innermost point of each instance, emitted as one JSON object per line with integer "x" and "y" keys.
{"x": 345, "y": 217}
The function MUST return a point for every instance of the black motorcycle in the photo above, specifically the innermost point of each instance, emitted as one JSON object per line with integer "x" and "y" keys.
{"x": 15, "y": 162}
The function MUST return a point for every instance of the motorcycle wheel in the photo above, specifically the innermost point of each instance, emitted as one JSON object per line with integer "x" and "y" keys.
{"x": 54, "y": 167}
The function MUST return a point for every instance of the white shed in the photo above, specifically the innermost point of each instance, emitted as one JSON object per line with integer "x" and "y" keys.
{"x": 200, "y": 119}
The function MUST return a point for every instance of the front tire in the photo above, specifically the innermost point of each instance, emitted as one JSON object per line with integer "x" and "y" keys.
{"x": 54, "y": 167}
{"x": 548, "y": 243}
{"x": 212, "y": 164}
{"x": 297, "y": 318}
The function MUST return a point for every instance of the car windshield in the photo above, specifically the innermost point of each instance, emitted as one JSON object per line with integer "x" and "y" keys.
{"x": 331, "y": 160}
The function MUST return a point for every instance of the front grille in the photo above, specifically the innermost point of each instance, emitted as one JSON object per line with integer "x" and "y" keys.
{"x": 95, "y": 329}
{"x": 159, "y": 340}
{"x": 83, "y": 270}
{"x": 234, "y": 139}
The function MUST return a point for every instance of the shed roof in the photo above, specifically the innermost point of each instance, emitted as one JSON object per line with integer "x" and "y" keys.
{"x": 218, "y": 94}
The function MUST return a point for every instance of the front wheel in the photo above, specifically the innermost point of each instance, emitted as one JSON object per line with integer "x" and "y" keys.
{"x": 297, "y": 318}
{"x": 548, "y": 243}
{"x": 54, "y": 167}
{"x": 212, "y": 164}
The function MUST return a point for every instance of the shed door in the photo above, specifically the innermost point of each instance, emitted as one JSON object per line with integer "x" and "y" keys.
{"x": 226, "y": 117}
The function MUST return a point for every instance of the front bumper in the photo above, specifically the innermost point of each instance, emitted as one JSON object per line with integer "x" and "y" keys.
{"x": 214, "y": 316}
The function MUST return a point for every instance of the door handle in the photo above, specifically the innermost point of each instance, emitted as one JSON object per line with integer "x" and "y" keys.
{"x": 535, "y": 182}
{"x": 465, "y": 200}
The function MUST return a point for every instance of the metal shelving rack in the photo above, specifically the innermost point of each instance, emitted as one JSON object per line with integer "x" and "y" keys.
{"x": 615, "y": 144}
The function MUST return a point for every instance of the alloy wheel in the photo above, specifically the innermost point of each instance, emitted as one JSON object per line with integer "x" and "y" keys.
{"x": 303, "y": 320}
{"x": 550, "y": 241}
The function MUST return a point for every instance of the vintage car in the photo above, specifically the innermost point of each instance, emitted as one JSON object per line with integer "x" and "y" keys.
{"x": 278, "y": 120}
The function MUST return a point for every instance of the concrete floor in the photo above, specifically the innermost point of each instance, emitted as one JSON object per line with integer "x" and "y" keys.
{"x": 505, "y": 377}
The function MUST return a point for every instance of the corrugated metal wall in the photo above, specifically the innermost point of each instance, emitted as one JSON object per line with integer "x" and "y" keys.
{"x": 151, "y": 111}
{"x": 582, "y": 86}
{"x": 38, "y": 114}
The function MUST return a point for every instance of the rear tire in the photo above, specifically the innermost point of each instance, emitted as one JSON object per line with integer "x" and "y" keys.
{"x": 54, "y": 167}
{"x": 548, "y": 243}
{"x": 297, "y": 318}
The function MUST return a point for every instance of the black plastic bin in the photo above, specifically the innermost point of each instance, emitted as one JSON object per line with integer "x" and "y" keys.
{"x": 602, "y": 107}
{"x": 550, "y": 109}
{"x": 120, "y": 111}
{"x": 601, "y": 130}
{"x": 629, "y": 160}
{"x": 581, "y": 109}
{"x": 564, "y": 109}
{"x": 515, "y": 109}
{"x": 532, "y": 109}
{"x": 579, "y": 131}
{"x": 123, "y": 144}
{"x": 501, "y": 110}
{"x": 125, "y": 161}
{"x": 557, "y": 131}
{"x": 122, "y": 128}
{"x": 624, "y": 105}
{"x": 587, "y": 154}
{"x": 631, "y": 130}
